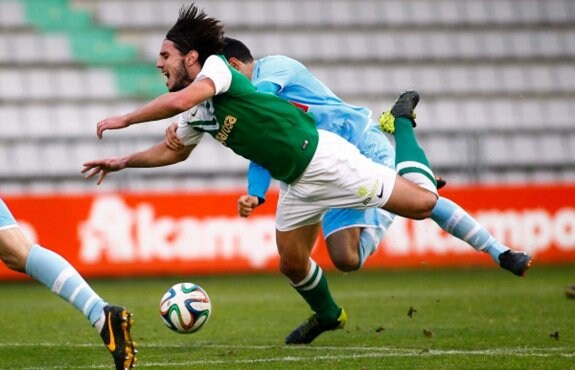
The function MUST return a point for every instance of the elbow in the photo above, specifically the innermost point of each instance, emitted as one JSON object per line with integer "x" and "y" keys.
{"x": 181, "y": 155}
{"x": 178, "y": 157}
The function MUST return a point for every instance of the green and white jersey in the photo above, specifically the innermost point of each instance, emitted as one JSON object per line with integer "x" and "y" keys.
{"x": 258, "y": 126}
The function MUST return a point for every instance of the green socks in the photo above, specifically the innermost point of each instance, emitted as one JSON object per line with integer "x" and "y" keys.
{"x": 313, "y": 288}
{"x": 410, "y": 160}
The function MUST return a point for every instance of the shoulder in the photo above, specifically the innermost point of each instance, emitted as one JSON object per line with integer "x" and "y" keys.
{"x": 281, "y": 60}
{"x": 218, "y": 70}
{"x": 278, "y": 68}
{"x": 215, "y": 62}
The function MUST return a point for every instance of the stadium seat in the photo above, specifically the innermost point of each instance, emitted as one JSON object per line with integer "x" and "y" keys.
{"x": 12, "y": 14}
{"x": 496, "y": 77}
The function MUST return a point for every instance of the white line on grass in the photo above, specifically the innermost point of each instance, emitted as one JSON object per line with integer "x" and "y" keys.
{"x": 375, "y": 352}
{"x": 317, "y": 358}
{"x": 504, "y": 350}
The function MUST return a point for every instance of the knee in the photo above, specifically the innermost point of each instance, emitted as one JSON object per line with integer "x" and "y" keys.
{"x": 347, "y": 263}
{"x": 425, "y": 206}
{"x": 343, "y": 251}
{"x": 293, "y": 268}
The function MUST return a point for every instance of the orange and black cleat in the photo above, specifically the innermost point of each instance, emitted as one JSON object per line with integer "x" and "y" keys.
{"x": 117, "y": 337}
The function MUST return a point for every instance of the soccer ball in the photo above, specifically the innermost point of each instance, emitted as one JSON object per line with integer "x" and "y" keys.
{"x": 185, "y": 308}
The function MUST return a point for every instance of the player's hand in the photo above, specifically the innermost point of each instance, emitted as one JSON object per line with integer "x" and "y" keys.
{"x": 102, "y": 167}
{"x": 111, "y": 123}
{"x": 172, "y": 141}
{"x": 246, "y": 205}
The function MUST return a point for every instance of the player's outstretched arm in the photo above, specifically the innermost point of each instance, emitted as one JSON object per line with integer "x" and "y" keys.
{"x": 164, "y": 106}
{"x": 102, "y": 167}
{"x": 158, "y": 155}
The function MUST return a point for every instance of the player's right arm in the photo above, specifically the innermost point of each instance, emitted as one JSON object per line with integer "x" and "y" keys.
{"x": 158, "y": 155}
{"x": 164, "y": 106}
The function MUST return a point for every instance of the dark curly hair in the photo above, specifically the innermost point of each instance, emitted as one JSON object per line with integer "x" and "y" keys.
{"x": 194, "y": 30}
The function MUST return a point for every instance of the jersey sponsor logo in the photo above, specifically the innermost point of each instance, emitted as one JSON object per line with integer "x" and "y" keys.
{"x": 226, "y": 129}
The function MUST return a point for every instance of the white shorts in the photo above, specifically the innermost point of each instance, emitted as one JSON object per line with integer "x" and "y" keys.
{"x": 338, "y": 176}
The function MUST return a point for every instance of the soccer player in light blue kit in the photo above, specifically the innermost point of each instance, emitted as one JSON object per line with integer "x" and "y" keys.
{"x": 49, "y": 268}
{"x": 351, "y": 235}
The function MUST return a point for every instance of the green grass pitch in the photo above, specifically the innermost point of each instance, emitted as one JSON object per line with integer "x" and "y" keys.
{"x": 460, "y": 319}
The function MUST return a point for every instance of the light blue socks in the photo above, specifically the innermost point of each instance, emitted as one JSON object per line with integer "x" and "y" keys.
{"x": 369, "y": 239}
{"x": 454, "y": 220}
{"x": 56, "y": 273}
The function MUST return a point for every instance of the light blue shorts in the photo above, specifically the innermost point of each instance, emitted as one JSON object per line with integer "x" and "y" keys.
{"x": 376, "y": 146}
{"x": 6, "y": 218}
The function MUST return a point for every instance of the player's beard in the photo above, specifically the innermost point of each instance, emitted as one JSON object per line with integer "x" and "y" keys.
{"x": 180, "y": 77}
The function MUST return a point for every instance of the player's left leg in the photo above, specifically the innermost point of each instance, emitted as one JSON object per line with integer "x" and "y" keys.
{"x": 410, "y": 159}
{"x": 353, "y": 235}
{"x": 454, "y": 220}
{"x": 414, "y": 193}
{"x": 308, "y": 279}
{"x": 57, "y": 274}
{"x": 112, "y": 322}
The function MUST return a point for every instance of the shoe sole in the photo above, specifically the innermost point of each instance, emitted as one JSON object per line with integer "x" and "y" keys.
{"x": 130, "y": 349}
{"x": 342, "y": 321}
{"x": 308, "y": 341}
{"x": 527, "y": 267}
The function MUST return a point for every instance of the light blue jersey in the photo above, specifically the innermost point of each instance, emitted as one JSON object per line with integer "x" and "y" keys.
{"x": 298, "y": 85}
{"x": 6, "y": 218}
{"x": 291, "y": 80}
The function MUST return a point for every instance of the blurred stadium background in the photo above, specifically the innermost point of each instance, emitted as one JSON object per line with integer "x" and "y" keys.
{"x": 497, "y": 79}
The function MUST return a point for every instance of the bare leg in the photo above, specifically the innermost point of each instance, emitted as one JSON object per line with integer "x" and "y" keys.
{"x": 14, "y": 248}
{"x": 305, "y": 275}
{"x": 410, "y": 200}
{"x": 343, "y": 248}
{"x": 294, "y": 248}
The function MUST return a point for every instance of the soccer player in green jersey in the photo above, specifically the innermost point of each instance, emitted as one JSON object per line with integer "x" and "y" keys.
{"x": 351, "y": 235}
{"x": 317, "y": 169}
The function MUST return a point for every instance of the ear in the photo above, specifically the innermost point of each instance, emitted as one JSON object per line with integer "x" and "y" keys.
{"x": 191, "y": 58}
{"x": 235, "y": 63}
